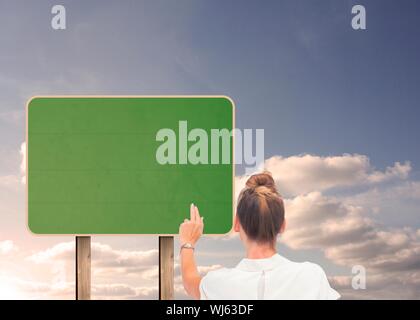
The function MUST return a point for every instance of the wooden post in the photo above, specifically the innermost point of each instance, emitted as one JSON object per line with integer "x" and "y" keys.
{"x": 83, "y": 268}
{"x": 166, "y": 268}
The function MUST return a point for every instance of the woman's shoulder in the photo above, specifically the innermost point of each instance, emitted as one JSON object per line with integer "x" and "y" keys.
{"x": 313, "y": 267}
{"x": 301, "y": 270}
{"x": 311, "y": 274}
{"x": 315, "y": 276}
{"x": 307, "y": 268}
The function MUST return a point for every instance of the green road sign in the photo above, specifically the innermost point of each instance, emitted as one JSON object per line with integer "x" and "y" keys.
{"x": 128, "y": 165}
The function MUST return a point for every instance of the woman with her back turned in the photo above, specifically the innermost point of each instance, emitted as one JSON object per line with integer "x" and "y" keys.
{"x": 263, "y": 274}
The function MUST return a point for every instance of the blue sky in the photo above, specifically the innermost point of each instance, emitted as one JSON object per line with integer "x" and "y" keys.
{"x": 294, "y": 68}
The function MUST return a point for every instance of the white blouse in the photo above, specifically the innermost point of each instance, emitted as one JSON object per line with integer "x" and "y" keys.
{"x": 273, "y": 278}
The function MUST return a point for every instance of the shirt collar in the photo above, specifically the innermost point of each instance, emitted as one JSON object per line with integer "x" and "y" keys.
{"x": 261, "y": 264}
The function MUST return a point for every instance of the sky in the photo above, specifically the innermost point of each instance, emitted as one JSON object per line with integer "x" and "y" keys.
{"x": 339, "y": 108}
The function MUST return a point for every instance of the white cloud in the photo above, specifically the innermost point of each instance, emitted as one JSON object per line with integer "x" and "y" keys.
{"x": 399, "y": 170}
{"x": 106, "y": 261}
{"x": 383, "y": 250}
{"x": 123, "y": 291}
{"x": 7, "y": 247}
{"x": 107, "y": 264}
{"x": 12, "y": 181}
{"x": 386, "y": 285}
{"x": 379, "y": 197}
{"x": 342, "y": 226}
{"x": 13, "y": 287}
{"x": 12, "y": 116}
{"x": 60, "y": 251}
{"x": 17, "y": 288}
{"x": 9, "y": 181}
{"x": 301, "y": 174}
{"x": 339, "y": 226}
{"x": 348, "y": 237}
{"x": 314, "y": 220}
{"x": 105, "y": 256}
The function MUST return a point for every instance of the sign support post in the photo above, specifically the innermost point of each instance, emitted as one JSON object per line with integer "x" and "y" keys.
{"x": 83, "y": 270}
{"x": 166, "y": 268}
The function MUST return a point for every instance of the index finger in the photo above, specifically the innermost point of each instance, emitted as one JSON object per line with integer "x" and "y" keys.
{"x": 197, "y": 214}
{"x": 192, "y": 212}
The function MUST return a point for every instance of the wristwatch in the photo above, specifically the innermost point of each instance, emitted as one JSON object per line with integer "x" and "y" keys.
{"x": 187, "y": 245}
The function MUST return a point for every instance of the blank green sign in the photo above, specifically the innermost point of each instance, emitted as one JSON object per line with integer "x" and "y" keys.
{"x": 92, "y": 166}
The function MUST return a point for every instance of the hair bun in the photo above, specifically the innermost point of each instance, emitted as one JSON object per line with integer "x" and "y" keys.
{"x": 264, "y": 179}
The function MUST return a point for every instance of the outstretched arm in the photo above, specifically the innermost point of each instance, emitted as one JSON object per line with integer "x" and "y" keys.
{"x": 189, "y": 233}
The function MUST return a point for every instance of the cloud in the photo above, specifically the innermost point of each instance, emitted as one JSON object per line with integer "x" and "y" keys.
{"x": 123, "y": 291}
{"x": 12, "y": 117}
{"x": 13, "y": 181}
{"x": 348, "y": 237}
{"x": 383, "y": 251}
{"x": 387, "y": 285}
{"x": 13, "y": 287}
{"x": 17, "y": 288}
{"x": 379, "y": 198}
{"x": 7, "y": 247}
{"x": 342, "y": 226}
{"x": 9, "y": 182}
{"x": 314, "y": 221}
{"x": 108, "y": 264}
{"x": 105, "y": 259}
{"x": 301, "y": 174}
{"x": 105, "y": 256}
{"x": 399, "y": 170}
{"x": 60, "y": 251}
